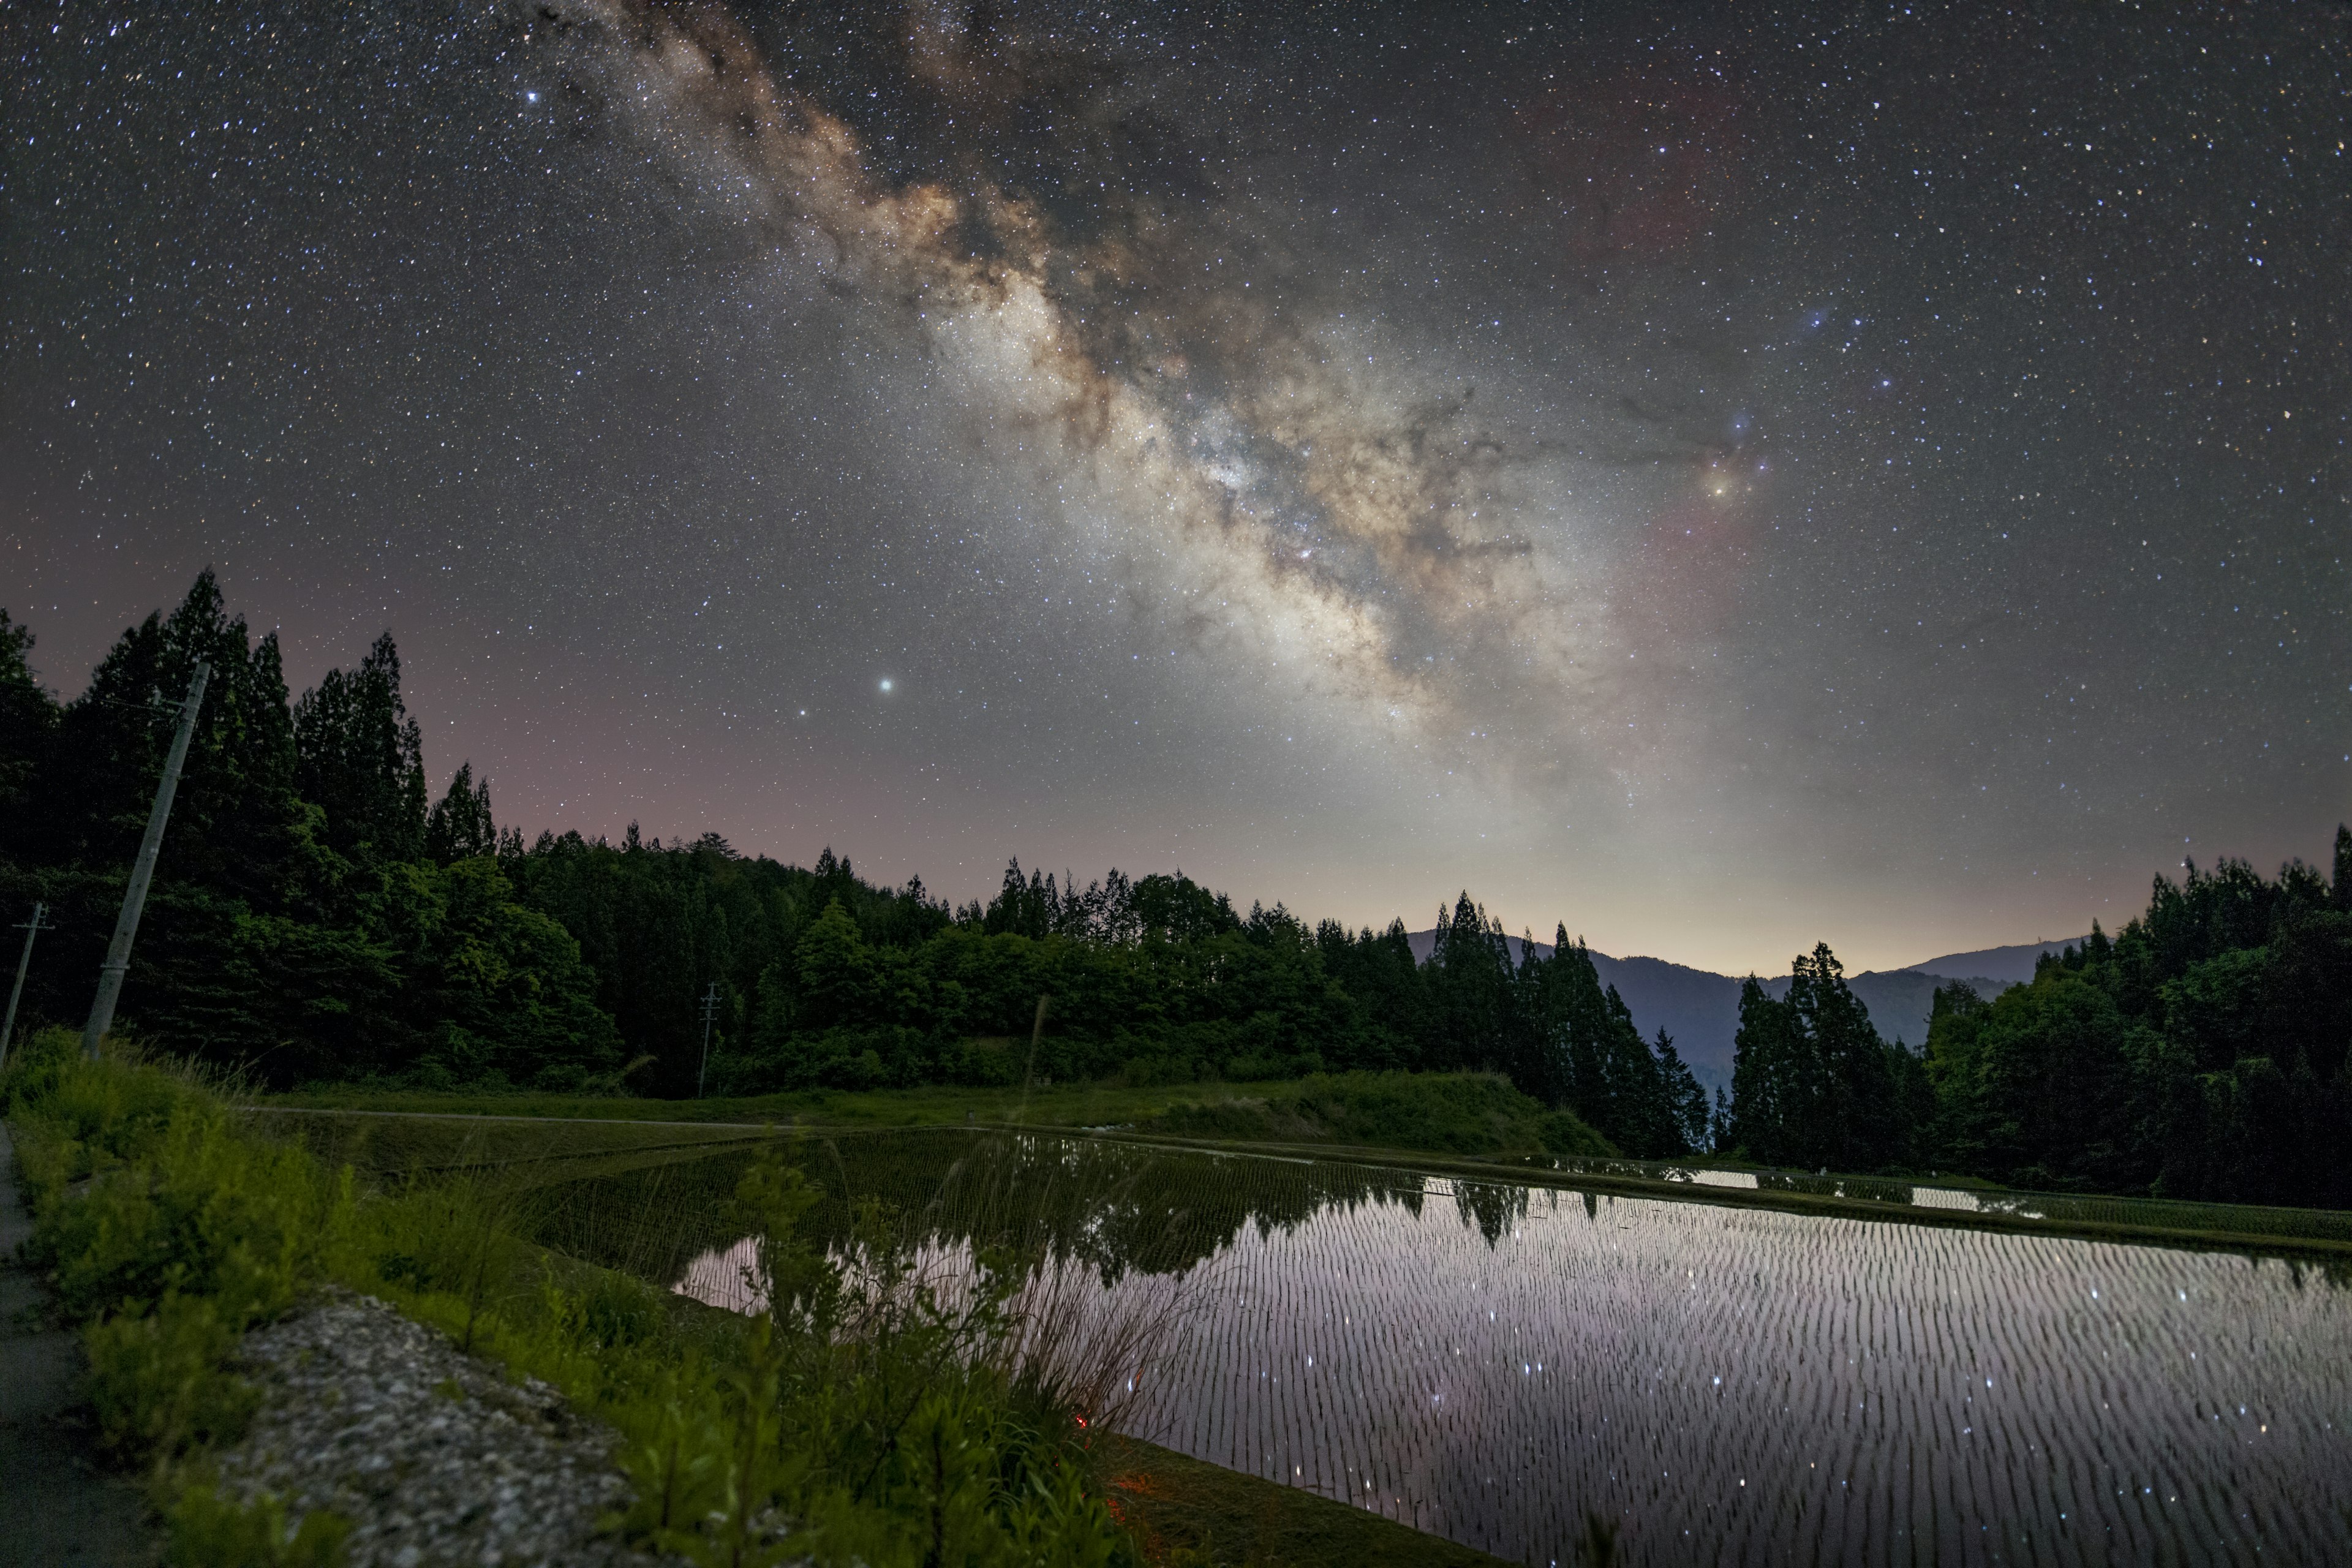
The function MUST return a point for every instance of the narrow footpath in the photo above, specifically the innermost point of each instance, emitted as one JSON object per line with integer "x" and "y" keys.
{"x": 59, "y": 1508}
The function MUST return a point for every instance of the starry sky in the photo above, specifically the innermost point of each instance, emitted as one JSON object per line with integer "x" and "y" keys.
{"x": 1720, "y": 476}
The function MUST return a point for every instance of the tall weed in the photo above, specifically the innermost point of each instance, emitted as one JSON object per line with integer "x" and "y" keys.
{"x": 863, "y": 1417}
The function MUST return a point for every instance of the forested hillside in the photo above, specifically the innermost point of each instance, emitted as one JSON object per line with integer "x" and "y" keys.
{"x": 320, "y": 915}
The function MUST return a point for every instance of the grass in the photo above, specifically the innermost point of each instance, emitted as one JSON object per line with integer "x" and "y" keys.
{"x": 1467, "y": 1114}
{"x": 1182, "y": 1511}
{"x": 538, "y": 1150}
{"x": 1060, "y": 1105}
{"x": 863, "y": 1415}
{"x": 1477, "y": 1115}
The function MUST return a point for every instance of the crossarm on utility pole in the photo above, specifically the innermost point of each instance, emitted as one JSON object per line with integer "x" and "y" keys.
{"x": 143, "y": 870}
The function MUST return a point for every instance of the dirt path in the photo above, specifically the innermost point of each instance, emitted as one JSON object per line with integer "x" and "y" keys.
{"x": 59, "y": 1510}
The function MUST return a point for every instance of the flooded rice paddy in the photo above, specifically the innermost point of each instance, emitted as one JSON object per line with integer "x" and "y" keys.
{"x": 1493, "y": 1361}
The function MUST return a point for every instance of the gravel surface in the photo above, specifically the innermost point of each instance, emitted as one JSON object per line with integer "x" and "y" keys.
{"x": 436, "y": 1457}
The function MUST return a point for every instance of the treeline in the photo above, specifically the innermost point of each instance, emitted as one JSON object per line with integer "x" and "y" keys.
{"x": 2201, "y": 1052}
{"x": 300, "y": 919}
{"x": 319, "y": 915}
{"x": 2204, "y": 1051}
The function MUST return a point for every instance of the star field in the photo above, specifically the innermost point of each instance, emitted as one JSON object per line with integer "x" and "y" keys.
{"x": 1721, "y": 476}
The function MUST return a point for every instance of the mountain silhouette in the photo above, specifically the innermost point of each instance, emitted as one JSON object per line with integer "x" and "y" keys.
{"x": 1700, "y": 1009}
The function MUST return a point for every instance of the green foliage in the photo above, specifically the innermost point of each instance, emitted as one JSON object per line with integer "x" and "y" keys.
{"x": 864, "y": 1415}
{"x": 313, "y": 923}
{"x": 201, "y": 1209}
{"x": 1587, "y": 1053}
{"x": 292, "y": 924}
{"x": 159, "y": 1382}
{"x": 184, "y": 1232}
{"x": 209, "y": 1531}
{"x": 1472, "y": 1114}
{"x": 859, "y": 1415}
{"x": 28, "y": 725}
{"x": 460, "y": 825}
{"x": 1811, "y": 1083}
{"x": 2201, "y": 1053}
{"x": 362, "y": 759}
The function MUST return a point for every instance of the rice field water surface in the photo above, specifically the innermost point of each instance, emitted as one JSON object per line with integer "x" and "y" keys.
{"x": 1496, "y": 1363}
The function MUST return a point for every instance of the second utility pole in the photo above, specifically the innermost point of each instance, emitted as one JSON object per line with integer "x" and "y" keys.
{"x": 143, "y": 871}
{"x": 710, "y": 1009}
{"x": 31, "y": 927}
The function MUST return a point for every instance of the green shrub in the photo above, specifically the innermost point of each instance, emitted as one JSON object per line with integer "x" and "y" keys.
{"x": 109, "y": 1111}
{"x": 207, "y": 1211}
{"x": 208, "y": 1531}
{"x": 34, "y": 1068}
{"x": 158, "y": 1382}
{"x": 1568, "y": 1136}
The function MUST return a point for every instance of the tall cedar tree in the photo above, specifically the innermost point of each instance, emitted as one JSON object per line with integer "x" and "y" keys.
{"x": 360, "y": 758}
{"x": 460, "y": 826}
{"x": 1811, "y": 1083}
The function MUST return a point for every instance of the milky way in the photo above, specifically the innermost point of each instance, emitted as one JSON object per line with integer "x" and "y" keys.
{"x": 1718, "y": 482}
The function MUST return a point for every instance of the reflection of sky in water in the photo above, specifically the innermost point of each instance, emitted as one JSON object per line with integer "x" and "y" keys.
{"x": 1747, "y": 1385}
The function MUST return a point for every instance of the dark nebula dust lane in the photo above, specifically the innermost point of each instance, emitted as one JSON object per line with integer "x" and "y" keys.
{"x": 1717, "y": 477}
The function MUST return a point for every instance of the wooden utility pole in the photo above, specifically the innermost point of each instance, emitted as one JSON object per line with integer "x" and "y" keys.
{"x": 143, "y": 871}
{"x": 31, "y": 927}
{"x": 709, "y": 1011}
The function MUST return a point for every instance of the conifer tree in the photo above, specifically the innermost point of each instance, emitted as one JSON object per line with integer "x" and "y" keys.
{"x": 460, "y": 825}
{"x": 360, "y": 758}
{"x": 1686, "y": 1101}
{"x": 29, "y": 727}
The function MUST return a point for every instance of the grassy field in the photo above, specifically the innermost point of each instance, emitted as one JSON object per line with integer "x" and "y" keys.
{"x": 1071, "y": 1105}
{"x": 1462, "y": 1114}
{"x": 1465, "y": 1123}
{"x": 535, "y": 1148}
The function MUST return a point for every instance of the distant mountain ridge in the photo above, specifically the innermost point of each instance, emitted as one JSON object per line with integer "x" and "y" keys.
{"x": 1701, "y": 1009}
{"x": 2010, "y": 966}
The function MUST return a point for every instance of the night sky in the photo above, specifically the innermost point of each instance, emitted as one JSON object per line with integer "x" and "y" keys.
{"x": 1876, "y": 475}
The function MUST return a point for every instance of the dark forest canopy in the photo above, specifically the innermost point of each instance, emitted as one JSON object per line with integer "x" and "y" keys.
{"x": 317, "y": 917}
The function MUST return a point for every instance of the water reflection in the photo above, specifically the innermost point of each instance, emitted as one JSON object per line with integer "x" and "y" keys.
{"x": 1729, "y": 1384}
{"x": 1118, "y": 1207}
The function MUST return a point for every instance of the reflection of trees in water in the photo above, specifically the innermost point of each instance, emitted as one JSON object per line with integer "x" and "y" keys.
{"x": 1121, "y": 1207}
{"x": 1116, "y": 1208}
{"x": 1493, "y": 1209}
